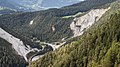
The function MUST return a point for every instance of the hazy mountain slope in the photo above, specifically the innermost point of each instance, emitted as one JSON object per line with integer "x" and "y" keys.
{"x": 8, "y": 3}
{"x": 8, "y": 56}
{"x": 98, "y": 47}
{"x": 85, "y": 6}
{"x": 13, "y": 4}
{"x": 4, "y": 10}
{"x": 35, "y": 5}
{"x": 58, "y": 3}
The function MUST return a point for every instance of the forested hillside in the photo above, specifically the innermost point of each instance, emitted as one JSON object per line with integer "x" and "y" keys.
{"x": 8, "y": 56}
{"x": 44, "y": 21}
{"x": 98, "y": 47}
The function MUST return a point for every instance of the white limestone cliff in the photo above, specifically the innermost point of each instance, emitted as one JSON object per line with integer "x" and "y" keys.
{"x": 17, "y": 44}
{"x": 80, "y": 24}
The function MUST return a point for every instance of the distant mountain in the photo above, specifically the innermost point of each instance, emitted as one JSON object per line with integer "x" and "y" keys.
{"x": 35, "y": 5}
{"x": 58, "y": 3}
{"x": 8, "y": 3}
{"x": 5, "y": 10}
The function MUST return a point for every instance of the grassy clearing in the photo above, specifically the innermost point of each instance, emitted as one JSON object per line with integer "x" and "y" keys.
{"x": 78, "y": 14}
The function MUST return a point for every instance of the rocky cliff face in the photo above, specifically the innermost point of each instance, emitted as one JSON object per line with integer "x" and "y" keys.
{"x": 17, "y": 44}
{"x": 80, "y": 24}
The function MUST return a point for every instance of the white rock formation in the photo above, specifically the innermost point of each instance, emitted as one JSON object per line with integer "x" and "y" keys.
{"x": 55, "y": 46}
{"x": 84, "y": 22}
{"x": 17, "y": 44}
{"x": 31, "y": 22}
{"x": 37, "y": 57}
{"x": 53, "y": 28}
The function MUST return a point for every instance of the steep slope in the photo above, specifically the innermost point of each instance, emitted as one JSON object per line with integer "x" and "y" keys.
{"x": 17, "y": 44}
{"x": 98, "y": 47}
{"x": 80, "y": 24}
{"x": 8, "y": 56}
